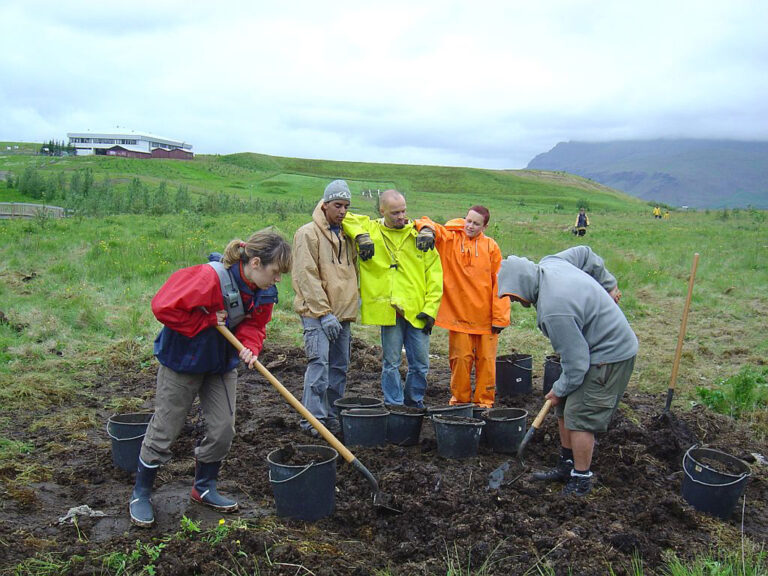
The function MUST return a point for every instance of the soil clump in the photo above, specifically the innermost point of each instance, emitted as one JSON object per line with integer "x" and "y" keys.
{"x": 449, "y": 513}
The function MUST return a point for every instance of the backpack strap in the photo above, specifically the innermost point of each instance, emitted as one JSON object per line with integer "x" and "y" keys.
{"x": 233, "y": 301}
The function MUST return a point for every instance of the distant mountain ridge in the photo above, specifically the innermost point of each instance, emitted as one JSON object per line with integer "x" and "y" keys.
{"x": 695, "y": 173}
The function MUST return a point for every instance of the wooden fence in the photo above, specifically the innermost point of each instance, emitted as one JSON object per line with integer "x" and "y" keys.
{"x": 24, "y": 210}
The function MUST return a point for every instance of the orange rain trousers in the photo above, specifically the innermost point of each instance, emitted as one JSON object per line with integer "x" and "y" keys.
{"x": 464, "y": 351}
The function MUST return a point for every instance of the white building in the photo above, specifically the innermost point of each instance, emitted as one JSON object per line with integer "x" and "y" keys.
{"x": 141, "y": 143}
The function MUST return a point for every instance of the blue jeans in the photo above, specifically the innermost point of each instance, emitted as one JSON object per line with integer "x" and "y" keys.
{"x": 326, "y": 376}
{"x": 416, "y": 351}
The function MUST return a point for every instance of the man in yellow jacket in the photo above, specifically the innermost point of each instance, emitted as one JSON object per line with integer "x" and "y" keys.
{"x": 471, "y": 309}
{"x": 324, "y": 279}
{"x": 400, "y": 290}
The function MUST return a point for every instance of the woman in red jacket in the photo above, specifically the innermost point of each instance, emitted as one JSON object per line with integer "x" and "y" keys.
{"x": 196, "y": 360}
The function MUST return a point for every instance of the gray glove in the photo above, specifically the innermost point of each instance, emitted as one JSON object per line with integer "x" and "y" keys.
{"x": 331, "y": 326}
{"x": 496, "y": 478}
{"x": 425, "y": 240}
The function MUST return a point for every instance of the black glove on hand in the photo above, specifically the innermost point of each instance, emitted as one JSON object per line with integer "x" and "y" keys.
{"x": 426, "y": 239}
{"x": 429, "y": 322}
{"x": 364, "y": 246}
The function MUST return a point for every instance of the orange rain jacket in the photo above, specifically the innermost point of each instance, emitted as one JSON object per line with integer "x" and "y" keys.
{"x": 470, "y": 292}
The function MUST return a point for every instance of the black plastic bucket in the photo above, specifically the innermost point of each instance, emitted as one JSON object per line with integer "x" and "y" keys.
{"x": 404, "y": 425}
{"x": 365, "y": 426}
{"x": 513, "y": 375}
{"x": 505, "y": 429}
{"x": 715, "y": 492}
{"x": 457, "y": 436}
{"x": 348, "y": 402}
{"x": 461, "y": 410}
{"x": 127, "y": 432}
{"x": 479, "y": 412}
{"x": 305, "y": 492}
{"x": 552, "y": 371}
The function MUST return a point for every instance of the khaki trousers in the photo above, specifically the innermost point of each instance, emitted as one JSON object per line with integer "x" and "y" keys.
{"x": 175, "y": 393}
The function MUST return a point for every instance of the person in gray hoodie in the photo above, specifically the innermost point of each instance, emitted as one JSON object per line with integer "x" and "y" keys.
{"x": 576, "y": 301}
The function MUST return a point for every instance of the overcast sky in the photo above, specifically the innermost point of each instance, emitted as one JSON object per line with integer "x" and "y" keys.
{"x": 483, "y": 84}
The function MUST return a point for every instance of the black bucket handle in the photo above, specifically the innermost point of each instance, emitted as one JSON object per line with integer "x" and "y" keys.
{"x": 506, "y": 418}
{"x": 687, "y": 455}
{"x": 440, "y": 418}
{"x": 515, "y": 363}
{"x": 307, "y": 467}
{"x": 109, "y": 432}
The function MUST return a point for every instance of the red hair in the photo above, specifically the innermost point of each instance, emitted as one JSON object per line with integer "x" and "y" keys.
{"x": 483, "y": 211}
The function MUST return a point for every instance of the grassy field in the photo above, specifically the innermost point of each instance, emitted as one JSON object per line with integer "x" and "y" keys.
{"x": 104, "y": 271}
{"x": 75, "y": 292}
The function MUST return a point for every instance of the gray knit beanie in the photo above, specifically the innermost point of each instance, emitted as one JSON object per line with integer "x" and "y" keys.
{"x": 337, "y": 190}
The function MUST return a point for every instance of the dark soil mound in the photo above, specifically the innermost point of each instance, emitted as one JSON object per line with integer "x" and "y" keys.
{"x": 448, "y": 512}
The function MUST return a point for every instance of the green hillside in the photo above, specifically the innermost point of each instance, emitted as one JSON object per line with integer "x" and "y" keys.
{"x": 268, "y": 177}
{"x": 136, "y": 221}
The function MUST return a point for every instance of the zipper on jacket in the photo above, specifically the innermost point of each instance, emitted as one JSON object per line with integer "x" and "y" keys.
{"x": 341, "y": 241}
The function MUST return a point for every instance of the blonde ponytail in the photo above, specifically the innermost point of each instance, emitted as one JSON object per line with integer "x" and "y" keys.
{"x": 268, "y": 245}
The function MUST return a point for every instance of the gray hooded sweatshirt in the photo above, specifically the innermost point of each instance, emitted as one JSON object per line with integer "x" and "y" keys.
{"x": 573, "y": 309}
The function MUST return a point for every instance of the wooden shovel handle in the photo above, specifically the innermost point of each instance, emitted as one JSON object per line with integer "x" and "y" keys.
{"x": 681, "y": 336}
{"x": 542, "y": 413}
{"x": 291, "y": 399}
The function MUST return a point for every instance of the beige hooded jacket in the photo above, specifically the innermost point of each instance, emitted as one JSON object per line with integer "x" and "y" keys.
{"x": 324, "y": 274}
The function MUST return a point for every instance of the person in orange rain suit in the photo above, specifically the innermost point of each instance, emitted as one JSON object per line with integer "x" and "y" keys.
{"x": 470, "y": 310}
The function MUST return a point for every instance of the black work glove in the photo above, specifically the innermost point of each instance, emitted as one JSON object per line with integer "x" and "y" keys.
{"x": 364, "y": 246}
{"x": 497, "y": 329}
{"x": 425, "y": 240}
{"x": 429, "y": 322}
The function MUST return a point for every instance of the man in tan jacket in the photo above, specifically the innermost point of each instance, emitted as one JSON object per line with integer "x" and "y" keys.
{"x": 325, "y": 281}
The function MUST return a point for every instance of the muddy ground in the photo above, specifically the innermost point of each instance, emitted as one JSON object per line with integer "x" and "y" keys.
{"x": 448, "y": 513}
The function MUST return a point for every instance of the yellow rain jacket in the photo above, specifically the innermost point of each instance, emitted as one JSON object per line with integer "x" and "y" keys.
{"x": 399, "y": 277}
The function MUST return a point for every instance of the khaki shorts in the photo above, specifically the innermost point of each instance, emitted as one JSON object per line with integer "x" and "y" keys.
{"x": 591, "y": 406}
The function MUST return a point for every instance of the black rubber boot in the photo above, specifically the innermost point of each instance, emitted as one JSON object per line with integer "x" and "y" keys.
{"x": 140, "y": 505}
{"x": 560, "y": 473}
{"x": 578, "y": 485}
{"x": 204, "y": 490}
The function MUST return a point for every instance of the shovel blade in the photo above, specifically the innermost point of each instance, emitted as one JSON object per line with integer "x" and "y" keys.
{"x": 526, "y": 439}
{"x": 385, "y": 502}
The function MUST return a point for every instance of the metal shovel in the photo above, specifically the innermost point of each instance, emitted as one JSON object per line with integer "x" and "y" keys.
{"x": 532, "y": 430}
{"x": 380, "y": 499}
{"x": 496, "y": 478}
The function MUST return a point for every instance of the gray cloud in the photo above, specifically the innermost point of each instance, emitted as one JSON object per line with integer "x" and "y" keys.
{"x": 487, "y": 85}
